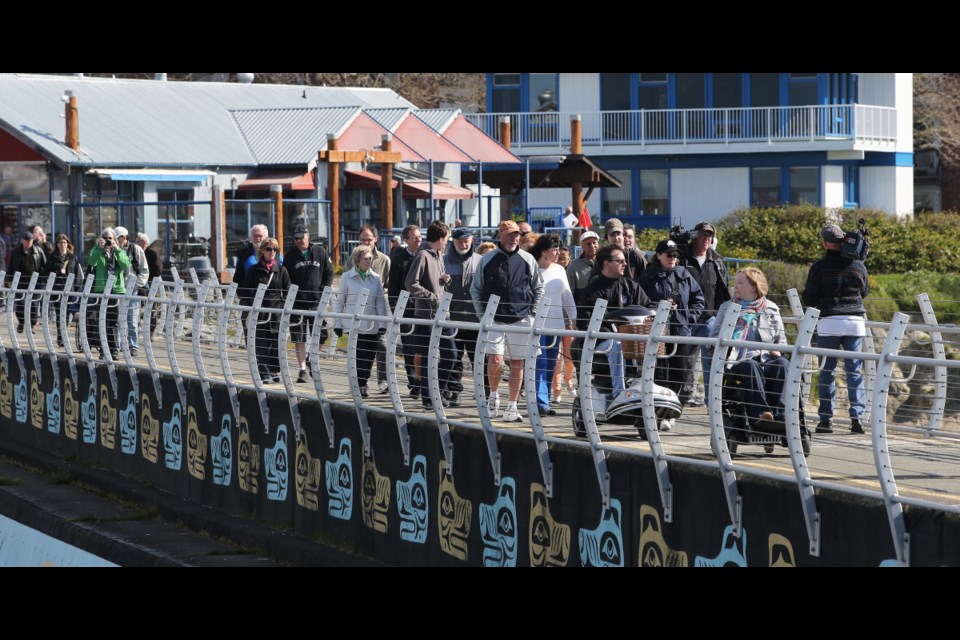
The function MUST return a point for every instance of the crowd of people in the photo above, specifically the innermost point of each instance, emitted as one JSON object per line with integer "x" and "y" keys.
{"x": 523, "y": 269}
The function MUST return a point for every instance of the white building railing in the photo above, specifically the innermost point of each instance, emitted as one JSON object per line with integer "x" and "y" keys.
{"x": 202, "y": 318}
{"x": 813, "y": 123}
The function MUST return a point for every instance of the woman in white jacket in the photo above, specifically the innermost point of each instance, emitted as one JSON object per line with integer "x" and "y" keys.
{"x": 560, "y": 313}
{"x": 361, "y": 277}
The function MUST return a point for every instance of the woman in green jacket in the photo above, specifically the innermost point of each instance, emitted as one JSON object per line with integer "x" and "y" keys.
{"x": 106, "y": 259}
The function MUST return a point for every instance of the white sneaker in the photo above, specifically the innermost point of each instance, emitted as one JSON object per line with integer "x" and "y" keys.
{"x": 666, "y": 424}
{"x": 512, "y": 414}
{"x": 384, "y": 386}
{"x": 493, "y": 405}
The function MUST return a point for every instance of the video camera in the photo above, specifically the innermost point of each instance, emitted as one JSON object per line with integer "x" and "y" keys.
{"x": 855, "y": 245}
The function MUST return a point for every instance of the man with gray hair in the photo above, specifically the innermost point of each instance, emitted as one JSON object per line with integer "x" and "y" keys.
{"x": 247, "y": 257}
{"x": 138, "y": 266}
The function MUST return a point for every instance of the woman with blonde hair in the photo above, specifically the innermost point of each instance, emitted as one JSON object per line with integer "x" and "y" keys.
{"x": 362, "y": 276}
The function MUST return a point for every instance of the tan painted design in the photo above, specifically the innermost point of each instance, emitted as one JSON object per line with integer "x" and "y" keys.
{"x": 454, "y": 517}
{"x": 196, "y": 446}
{"x": 309, "y": 476}
{"x": 6, "y": 395}
{"x": 71, "y": 410}
{"x": 549, "y": 539}
{"x": 654, "y": 551}
{"x": 374, "y": 496}
{"x": 781, "y": 551}
{"x": 108, "y": 420}
{"x": 37, "y": 401}
{"x": 149, "y": 431}
{"x": 248, "y": 460}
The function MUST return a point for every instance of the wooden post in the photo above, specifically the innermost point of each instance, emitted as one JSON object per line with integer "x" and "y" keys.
{"x": 73, "y": 122}
{"x": 386, "y": 193}
{"x": 277, "y": 192}
{"x": 333, "y": 195}
{"x": 576, "y": 143}
{"x": 505, "y": 131}
{"x": 218, "y": 248}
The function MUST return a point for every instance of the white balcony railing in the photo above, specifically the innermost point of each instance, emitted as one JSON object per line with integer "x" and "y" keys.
{"x": 694, "y": 126}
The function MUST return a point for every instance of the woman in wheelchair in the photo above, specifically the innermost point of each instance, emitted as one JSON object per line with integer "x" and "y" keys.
{"x": 754, "y": 377}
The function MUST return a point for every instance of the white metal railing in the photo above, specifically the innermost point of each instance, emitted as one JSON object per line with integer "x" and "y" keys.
{"x": 856, "y": 122}
{"x": 199, "y": 323}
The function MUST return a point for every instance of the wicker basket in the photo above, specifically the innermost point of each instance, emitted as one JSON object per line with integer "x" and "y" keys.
{"x": 635, "y": 349}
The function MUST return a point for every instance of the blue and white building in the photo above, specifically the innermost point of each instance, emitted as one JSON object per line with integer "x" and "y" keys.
{"x": 695, "y": 146}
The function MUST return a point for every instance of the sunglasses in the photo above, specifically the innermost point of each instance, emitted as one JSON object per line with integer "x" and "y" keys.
{"x": 673, "y": 255}
{"x": 269, "y": 248}
{"x": 618, "y": 260}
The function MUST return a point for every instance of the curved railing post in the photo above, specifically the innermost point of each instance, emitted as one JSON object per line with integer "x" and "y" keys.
{"x": 479, "y": 373}
{"x": 659, "y": 328}
{"x": 313, "y": 354}
{"x": 124, "y": 338}
{"x": 869, "y": 367}
{"x": 878, "y": 430}
{"x": 176, "y": 299}
{"x": 48, "y": 294}
{"x": 355, "y": 326}
{"x": 392, "y": 339}
{"x": 588, "y": 411}
{"x": 102, "y": 329}
{"x": 222, "y": 344}
{"x": 284, "y": 357}
{"x": 28, "y": 320}
{"x": 939, "y": 371}
{"x": 718, "y": 436}
{"x": 198, "y": 315}
{"x": 252, "y": 317}
{"x": 82, "y": 324}
{"x": 9, "y": 295}
{"x": 792, "y": 407}
{"x": 64, "y": 319}
{"x": 530, "y": 380}
{"x": 153, "y": 295}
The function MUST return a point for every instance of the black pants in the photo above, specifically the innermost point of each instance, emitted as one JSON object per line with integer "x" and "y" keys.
{"x": 366, "y": 352}
{"x": 676, "y": 372}
{"x": 267, "y": 347}
{"x": 93, "y": 325}
{"x": 466, "y": 344}
{"x": 448, "y": 355}
{"x": 408, "y": 347}
{"x": 19, "y": 310}
{"x": 757, "y": 386}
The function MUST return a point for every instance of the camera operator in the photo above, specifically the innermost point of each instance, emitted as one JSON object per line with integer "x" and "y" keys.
{"x": 837, "y": 285}
{"x": 707, "y": 267}
{"x": 106, "y": 259}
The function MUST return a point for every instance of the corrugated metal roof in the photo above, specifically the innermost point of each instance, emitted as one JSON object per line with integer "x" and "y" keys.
{"x": 389, "y": 119}
{"x": 437, "y": 119}
{"x": 291, "y": 136}
{"x": 147, "y": 122}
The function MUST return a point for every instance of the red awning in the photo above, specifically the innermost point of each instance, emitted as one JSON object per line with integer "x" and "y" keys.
{"x": 293, "y": 179}
{"x": 441, "y": 191}
{"x": 364, "y": 180}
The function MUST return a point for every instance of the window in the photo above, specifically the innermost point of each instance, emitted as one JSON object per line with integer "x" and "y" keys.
{"x": 617, "y": 203}
{"x": 543, "y": 92}
{"x": 851, "y": 187}
{"x": 615, "y": 96}
{"x": 727, "y": 90}
{"x": 175, "y": 224}
{"x": 654, "y": 192}
{"x": 765, "y": 187}
{"x": 803, "y": 185}
{"x": 506, "y": 92}
{"x": 653, "y": 96}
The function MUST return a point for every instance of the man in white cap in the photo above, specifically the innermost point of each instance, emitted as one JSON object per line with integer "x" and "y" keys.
{"x": 138, "y": 265}
{"x": 578, "y": 271}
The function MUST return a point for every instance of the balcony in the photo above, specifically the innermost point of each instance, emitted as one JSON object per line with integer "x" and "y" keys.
{"x": 851, "y": 126}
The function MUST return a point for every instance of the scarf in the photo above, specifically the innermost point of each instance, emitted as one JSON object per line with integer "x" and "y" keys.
{"x": 269, "y": 264}
{"x": 749, "y": 313}
{"x": 363, "y": 274}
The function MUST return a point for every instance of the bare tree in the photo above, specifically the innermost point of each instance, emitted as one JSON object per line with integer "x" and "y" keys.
{"x": 936, "y": 114}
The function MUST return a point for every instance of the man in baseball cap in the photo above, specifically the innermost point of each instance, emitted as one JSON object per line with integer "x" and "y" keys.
{"x": 579, "y": 270}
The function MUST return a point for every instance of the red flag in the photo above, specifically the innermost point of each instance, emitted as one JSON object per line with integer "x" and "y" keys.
{"x": 585, "y": 220}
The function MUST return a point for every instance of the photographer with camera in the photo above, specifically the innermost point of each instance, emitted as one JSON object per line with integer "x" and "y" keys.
{"x": 707, "y": 267}
{"x": 106, "y": 259}
{"x": 836, "y": 285}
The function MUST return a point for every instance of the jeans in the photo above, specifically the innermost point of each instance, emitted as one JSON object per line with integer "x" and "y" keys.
{"x": 546, "y": 363}
{"x": 853, "y": 367}
{"x": 615, "y": 360}
{"x": 702, "y": 330}
{"x": 133, "y": 323}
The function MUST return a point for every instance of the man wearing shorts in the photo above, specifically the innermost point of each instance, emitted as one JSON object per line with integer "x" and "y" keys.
{"x": 311, "y": 270}
{"x": 512, "y": 274}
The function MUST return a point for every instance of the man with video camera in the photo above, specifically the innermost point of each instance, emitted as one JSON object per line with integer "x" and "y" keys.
{"x": 836, "y": 285}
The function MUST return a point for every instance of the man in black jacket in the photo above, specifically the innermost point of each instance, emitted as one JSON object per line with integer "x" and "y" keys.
{"x": 310, "y": 269}
{"x": 399, "y": 266}
{"x": 708, "y": 269}
{"x": 612, "y": 285}
{"x": 28, "y": 259}
{"x": 837, "y": 286}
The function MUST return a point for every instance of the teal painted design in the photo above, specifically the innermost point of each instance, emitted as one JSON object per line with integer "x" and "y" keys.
{"x": 53, "y": 410}
{"x": 173, "y": 440}
{"x": 222, "y": 453}
{"x": 498, "y": 527}
{"x": 413, "y": 503}
{"x": 339, "y": 476}
{"x": 276, "y": 467}
{"x": 20, "y": 400}
{"x": 88, "y": 415}
{"x": 733, "y": 552}
{"x": 128, "y": 425}
{"x": 603, "y": 546}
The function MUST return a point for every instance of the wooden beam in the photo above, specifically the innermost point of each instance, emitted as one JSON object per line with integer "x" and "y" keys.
{"x": 276, "y": 191}
{"x": 333, "y": 194}
{"x": 386, "y": 193}
{"x": 381, "y": 157}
